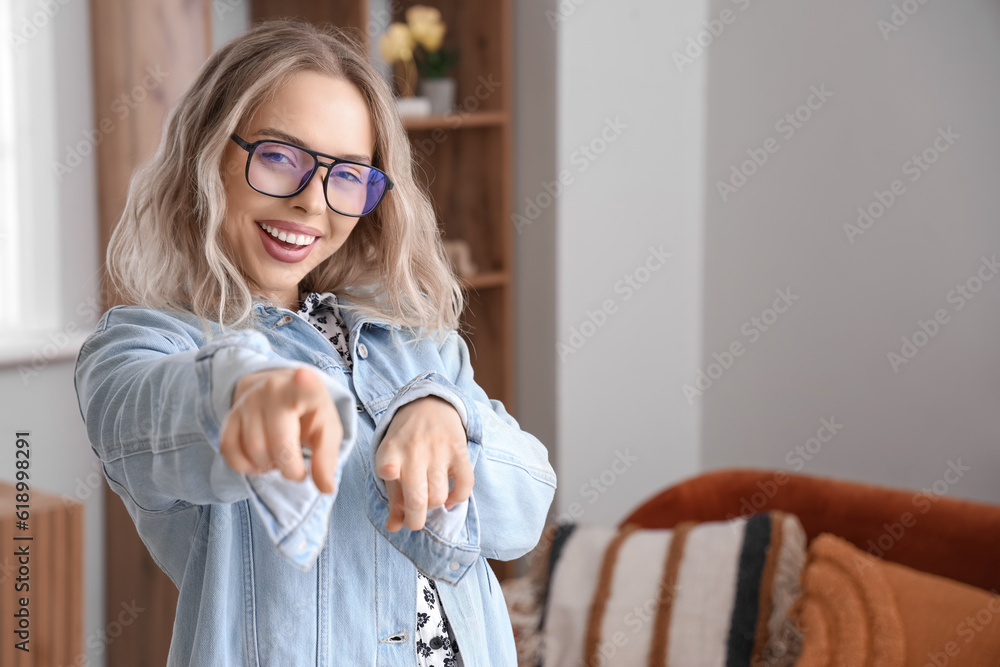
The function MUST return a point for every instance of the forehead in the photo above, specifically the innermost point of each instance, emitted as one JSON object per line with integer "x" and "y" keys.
{"x": 324, "y": 113}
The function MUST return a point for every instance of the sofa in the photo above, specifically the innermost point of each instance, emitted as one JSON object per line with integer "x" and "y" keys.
{"x": 766, "y": 567}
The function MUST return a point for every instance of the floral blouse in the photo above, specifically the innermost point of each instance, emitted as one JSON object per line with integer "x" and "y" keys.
{"x": 435, "y": 642}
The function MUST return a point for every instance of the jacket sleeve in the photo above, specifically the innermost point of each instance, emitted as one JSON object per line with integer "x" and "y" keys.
{"x": 154, "y": 404}
{"x": 514, "y": 482}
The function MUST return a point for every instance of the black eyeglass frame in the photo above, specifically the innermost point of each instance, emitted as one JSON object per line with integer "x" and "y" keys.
{"x": 251, "y": 148}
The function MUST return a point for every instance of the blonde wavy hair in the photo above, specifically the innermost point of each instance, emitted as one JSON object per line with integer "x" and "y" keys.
{"x": 167, "y": 249}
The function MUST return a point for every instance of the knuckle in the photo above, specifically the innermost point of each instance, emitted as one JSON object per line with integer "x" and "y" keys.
{"x": 284, "y": 455}
{"x": 415, "y": 498}
{"x": 269, "y": 384}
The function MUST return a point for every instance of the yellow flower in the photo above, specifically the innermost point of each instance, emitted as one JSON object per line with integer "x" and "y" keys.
{"x": 396, "y": 44}
{"x": 426, "y": 26}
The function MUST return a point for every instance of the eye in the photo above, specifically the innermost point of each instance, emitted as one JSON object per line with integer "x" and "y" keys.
{"x": 349, "y": 174}
{"x": 350, "y": 177}
{"x": 276, "y": 155}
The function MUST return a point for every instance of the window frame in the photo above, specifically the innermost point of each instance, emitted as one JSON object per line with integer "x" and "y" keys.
{"x": 31, "y": 298}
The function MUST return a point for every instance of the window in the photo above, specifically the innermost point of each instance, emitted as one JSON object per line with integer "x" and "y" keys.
{"x": 29, "y": 187}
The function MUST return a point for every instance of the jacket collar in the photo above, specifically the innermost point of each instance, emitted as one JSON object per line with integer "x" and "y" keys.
{"x": 352, "y": 319}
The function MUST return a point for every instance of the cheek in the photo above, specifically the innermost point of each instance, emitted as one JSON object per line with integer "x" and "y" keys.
{"x": 232, "y": 172}
{"x": 347, "y": 226}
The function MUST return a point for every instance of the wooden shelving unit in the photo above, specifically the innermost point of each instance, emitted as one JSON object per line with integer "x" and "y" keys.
{"x": 464, "y": 157}
{"x": 466, "y": 161}
{"x": 473, "y": 119}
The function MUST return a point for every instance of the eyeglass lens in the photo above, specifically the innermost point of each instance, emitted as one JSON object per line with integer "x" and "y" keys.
{"x": 280, "y": 170}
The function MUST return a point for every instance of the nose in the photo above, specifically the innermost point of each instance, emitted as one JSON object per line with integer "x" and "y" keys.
{"x": 312, "y": 198}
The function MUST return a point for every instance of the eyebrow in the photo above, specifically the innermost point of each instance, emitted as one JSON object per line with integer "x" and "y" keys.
{"x": 284, "y": 136}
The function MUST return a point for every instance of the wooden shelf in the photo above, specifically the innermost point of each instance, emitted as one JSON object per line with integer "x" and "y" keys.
{"x": 487, "y": 280}
{"x": 456, "y": 121}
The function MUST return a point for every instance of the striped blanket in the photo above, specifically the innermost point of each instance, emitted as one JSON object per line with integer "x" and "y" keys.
{"x": 708, "y": 594}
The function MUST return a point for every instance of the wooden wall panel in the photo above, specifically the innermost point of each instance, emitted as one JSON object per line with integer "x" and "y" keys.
{"x": 351, "y": 14}
{"x": 145, "y": 54}
{"x": 54, "y": 579}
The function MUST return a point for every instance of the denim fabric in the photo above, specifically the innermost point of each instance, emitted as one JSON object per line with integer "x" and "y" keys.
{"x": 271, "y": 571}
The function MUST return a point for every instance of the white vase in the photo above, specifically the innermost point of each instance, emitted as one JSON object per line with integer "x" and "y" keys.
{"x": 441, "y": 93}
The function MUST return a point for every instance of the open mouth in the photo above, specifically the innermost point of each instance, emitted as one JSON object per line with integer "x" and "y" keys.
{"x": 285, "y": 246}
{"x": 287, "y": 240}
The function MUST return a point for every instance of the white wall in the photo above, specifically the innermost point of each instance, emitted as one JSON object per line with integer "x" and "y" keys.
{"x": 628, "y": 135}
{"x": 535, "y": 68}
{"x": 37, "y": 390}
{"x": 827, "y": 356}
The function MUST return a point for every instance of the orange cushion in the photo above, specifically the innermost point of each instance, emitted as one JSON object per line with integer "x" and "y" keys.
{"x": 859, "y": 610}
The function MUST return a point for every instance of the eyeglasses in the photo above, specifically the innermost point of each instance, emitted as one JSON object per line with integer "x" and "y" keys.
{"x": 281, "y": 169}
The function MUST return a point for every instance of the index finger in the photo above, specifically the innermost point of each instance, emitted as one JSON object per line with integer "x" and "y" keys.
{"x": 320, "y": 427}
{"x": 322, "y": 433}
{"x": 324, "y": 440}
{"x": 465, "y": 479}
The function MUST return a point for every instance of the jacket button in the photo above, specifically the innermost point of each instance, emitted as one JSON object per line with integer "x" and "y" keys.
{"x": 362, "y": 351}
{"x": 454, "y": 565}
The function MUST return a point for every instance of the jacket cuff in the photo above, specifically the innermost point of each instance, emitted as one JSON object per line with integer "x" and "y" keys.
{"x": 220, "y": 365}
{"x": 448, "y": 544}
{"x": 431, "y": 383}
{"x": 296, "y": 514}
{"x": 441, "y": 556}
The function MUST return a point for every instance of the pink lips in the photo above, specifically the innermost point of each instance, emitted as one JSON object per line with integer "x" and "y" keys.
{"x": 281, "y": 251}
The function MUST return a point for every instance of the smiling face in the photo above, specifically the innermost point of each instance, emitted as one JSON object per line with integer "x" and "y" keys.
{"x": 317, "y": 112}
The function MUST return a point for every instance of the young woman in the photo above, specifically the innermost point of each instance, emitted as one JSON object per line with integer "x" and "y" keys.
{"x": 287, "y": 410}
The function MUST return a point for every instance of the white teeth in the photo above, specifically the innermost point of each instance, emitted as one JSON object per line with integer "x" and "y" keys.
{"x": 300, "y": 239}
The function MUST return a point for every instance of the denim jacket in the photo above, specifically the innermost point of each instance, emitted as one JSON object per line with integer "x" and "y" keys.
{"x": 271, "y": 571}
